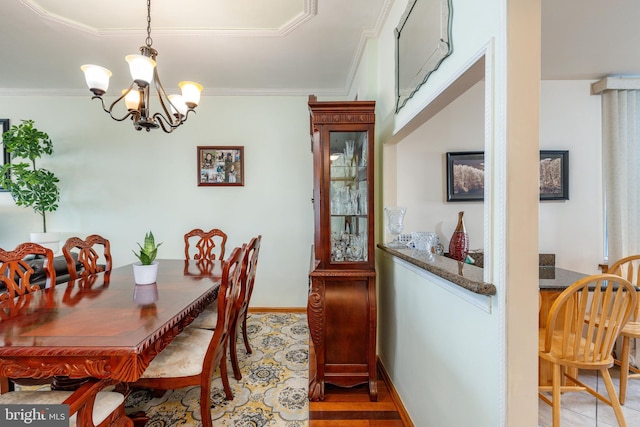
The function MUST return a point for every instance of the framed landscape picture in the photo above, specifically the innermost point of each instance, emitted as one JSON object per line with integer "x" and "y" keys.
{"x": 554, "y": 175}
{"x": 465, "y": 176}
{"x": 220, "y": 166}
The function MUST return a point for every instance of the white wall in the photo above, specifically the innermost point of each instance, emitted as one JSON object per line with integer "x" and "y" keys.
{"x": 120, "y": 183}
{"x": 570, "y": 120}
{"x": 506, "y": 32}
{"x": 421, "y": 164}
{"x": 454, "y": 382}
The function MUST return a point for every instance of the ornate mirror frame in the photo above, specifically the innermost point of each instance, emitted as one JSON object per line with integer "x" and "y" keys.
{"x": 423, "y": 41}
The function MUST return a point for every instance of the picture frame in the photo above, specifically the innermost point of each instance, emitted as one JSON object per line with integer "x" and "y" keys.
{"x": 554, "y": 175}
{"x": 6, "y": 157}
{"x": 465, "y": 176}
{"x": 220, "y": 166}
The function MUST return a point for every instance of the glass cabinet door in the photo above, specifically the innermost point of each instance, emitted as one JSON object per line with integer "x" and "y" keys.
{"x": 349, "y": 202}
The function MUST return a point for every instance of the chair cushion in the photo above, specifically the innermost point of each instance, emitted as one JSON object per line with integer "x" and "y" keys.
{"x": 208, "y": 319}
{"x": 106, "y": 401}
{"x": 183, "y": 357}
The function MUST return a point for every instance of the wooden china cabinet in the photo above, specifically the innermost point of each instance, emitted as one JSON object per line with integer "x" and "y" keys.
{"x": 342, "y": 296}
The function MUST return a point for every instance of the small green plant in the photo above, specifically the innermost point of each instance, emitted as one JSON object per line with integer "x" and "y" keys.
{"x": 149, "y": 251}
{"x": 28, "y": 185}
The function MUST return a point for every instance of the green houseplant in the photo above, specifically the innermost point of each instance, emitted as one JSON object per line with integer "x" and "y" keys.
{"x": 29, "y": 185}
{"x": 145, "y": 271}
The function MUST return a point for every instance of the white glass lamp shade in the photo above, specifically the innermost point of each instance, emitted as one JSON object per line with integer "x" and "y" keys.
{"x": 131, "y": 99}
{"x": 177, "y": 101}
{"x": 191, "y": 93}
{"x": 97, "y": 78}
{"x": 141, "y": 69}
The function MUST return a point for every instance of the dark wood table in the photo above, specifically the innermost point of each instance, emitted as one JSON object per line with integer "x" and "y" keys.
{"x": 103, "y": 326}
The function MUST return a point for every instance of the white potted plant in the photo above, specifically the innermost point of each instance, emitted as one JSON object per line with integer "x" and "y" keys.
{"x": 29, "y": 185}
{"x": 145, "y": 271}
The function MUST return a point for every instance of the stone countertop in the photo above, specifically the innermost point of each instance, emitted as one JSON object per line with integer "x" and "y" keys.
{"x": 556, "y": 278}
{"x": 467, "y": 276}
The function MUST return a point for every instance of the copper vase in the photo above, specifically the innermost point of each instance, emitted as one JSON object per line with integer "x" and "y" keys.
{"x": 459, "y": 243}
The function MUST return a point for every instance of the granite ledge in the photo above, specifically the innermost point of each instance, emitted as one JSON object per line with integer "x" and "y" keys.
{"x": 464, "y": 275}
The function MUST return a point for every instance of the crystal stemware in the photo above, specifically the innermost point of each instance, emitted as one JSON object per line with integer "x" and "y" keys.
{"x": 395, "y": 224}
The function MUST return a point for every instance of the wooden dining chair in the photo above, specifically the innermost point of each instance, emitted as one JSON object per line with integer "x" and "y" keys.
{"x": 209, "y": 317}
{"x": 87, "y": 255}
{"x": 193, "y": 356}
{"x": 207, "y": 244}
{"x": 88, "y": 405}
{"x": 571, "y": 340}
{"x": 16, "y": 273}
{"x": 249, "y": 266}
{"x": 628, "y": 268}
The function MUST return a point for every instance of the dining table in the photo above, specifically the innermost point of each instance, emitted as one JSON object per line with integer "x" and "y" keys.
{"x": 103, "y": 325}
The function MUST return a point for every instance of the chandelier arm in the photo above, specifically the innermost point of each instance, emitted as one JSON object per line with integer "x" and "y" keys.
{"x": 162, "y": 95}
{"x": 163, "y": 121}
{"x": 101, "y": 101}
{"x": 109, "y": 111}
{"x": 113, "y": 104}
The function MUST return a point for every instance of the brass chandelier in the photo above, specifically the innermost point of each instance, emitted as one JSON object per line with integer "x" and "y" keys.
{"x": 175, "y": 108}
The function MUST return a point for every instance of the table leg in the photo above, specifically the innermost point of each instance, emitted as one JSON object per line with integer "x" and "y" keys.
{"x": 5, "y": 385}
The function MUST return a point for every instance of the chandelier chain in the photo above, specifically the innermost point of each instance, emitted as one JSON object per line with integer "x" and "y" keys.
{"x": 149, "y": 40}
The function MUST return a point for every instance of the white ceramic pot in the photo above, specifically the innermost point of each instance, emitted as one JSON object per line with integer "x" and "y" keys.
{"x": 49, "y": 240}
{"x": 145, "y": 274}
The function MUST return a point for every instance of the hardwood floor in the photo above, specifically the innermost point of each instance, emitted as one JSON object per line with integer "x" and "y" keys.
{"x": 351, "y": 407}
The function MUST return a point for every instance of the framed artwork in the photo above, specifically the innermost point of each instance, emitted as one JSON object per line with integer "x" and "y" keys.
{"x": 220, "y": 166}
{"x": 465, "y": 176}
{"x": 554, "y": 175}
{"x": 6, "y": 157}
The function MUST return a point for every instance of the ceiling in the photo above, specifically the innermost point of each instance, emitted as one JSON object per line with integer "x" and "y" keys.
{"x": 275, "y": 47}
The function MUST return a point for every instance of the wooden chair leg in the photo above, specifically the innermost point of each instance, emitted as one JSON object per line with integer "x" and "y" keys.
{"x": 555, "y": 394}
{"x": 613, "y": 397}
{"x": 139, "y": 419}
{"x": 205, "y": 402}
{"x": 244, "y": 333}
{"x": 624, "y": 369}
{"x": 224, "y": 375}
{"x": 233, "y": 353}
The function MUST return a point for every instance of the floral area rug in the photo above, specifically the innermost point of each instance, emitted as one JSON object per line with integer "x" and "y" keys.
{"x": 272, "y": 391}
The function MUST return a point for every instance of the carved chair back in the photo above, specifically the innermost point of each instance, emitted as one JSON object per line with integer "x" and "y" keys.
{"x": 249, "y": 266}
{"x": 247, "y": 278}
{"x": 16, "y": 272}
{"x": 88, "y": 257}
{"x": 228, "y": 296}
{"x": 207, "y": 244}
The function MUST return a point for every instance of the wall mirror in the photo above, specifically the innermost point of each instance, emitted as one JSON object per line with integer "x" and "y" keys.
{"x": 423, "y": 41}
